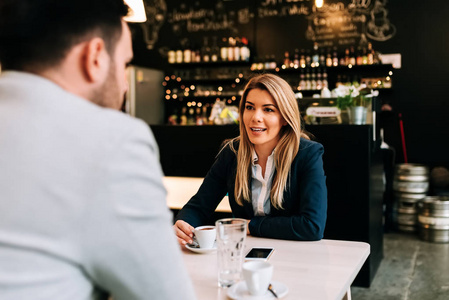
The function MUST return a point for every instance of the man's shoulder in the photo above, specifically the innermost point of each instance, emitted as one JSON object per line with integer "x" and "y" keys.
{"x": 33, "y": 96}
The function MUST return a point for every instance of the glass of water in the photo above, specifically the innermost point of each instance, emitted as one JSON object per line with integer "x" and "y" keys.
{"x": 231, "y": 235}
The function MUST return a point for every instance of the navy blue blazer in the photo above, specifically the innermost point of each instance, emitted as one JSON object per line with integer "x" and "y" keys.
{"x": 304, "y": 212}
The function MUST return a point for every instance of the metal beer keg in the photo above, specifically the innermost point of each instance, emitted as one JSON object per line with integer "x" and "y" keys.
{"x": 411, "y": 178}
{"x": 433, "y": 219}
{"x": 410, "y": 183}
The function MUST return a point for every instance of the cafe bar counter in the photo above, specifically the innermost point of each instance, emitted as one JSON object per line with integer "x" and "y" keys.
{"x": 352, "y": 162}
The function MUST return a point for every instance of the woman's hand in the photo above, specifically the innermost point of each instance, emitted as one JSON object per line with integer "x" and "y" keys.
{"x": 247, "y": 227}
{"x": 184, "y": 232}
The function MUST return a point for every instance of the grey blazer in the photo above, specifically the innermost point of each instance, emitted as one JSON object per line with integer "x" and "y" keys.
{"x": 82, "y": 205}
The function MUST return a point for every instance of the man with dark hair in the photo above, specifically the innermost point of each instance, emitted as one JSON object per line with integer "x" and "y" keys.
{"x": 82, "y": 205}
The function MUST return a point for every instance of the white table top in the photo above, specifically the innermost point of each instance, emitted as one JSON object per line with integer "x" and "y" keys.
{"x": 181, "y": 189}
{"x": 311, "y": 270}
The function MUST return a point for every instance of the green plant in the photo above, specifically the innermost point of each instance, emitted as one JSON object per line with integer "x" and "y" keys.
{"x": 344, "y": 102}
{"x": 350, "y": 96}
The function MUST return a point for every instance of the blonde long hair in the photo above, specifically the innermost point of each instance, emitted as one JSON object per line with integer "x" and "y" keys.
{"x": 287, "y": 147}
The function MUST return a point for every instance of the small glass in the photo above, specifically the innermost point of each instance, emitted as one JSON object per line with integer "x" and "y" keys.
{"x": 231, "y": 235}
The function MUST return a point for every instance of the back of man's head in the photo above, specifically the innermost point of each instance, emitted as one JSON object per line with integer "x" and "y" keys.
{"x": 37, "y": 34}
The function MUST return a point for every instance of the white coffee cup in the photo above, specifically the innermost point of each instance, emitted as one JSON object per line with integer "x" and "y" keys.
{"x": 205, "y": 236}
{"x": 257, "y": 275}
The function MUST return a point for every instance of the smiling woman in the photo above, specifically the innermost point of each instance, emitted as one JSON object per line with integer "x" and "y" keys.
{"x": 272, "y": 173}
{"x": 263, "y": 121}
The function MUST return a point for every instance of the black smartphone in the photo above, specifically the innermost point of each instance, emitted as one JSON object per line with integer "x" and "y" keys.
{"x": 259, "y": 253}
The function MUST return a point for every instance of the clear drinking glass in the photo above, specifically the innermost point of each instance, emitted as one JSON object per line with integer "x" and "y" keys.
{"x": 231, "y": 235}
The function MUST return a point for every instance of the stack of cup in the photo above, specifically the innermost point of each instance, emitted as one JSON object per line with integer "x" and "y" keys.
{"x": 231, "y": 235}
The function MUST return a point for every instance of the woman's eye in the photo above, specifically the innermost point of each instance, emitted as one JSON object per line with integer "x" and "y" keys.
{"x": 269, "y": 110}
{"x": 248, "y": 107}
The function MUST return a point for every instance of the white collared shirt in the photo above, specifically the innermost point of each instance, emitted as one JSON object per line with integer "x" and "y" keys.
{"x": 261, "y": 185}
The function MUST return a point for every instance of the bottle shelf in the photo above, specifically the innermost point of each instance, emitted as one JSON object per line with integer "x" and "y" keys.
{"x": 212, "y": 64}
{"x": 225, "y": 82}
{"x": 191, "y": 97}
{"x": 212, "y": 80}
{"x": 355, "y": 68}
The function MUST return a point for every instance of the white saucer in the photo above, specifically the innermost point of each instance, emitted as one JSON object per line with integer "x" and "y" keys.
{"x": 200, "y": 250}
{"x": 239, "y": 291}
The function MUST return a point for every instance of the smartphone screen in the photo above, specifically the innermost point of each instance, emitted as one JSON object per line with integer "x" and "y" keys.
{"x": 259, "y": 253}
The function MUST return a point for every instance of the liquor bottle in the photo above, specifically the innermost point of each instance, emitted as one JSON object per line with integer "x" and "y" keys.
{"x": 183, "y": 117}
{"x": 266, "y": 64}
{"x": 308, "y": 58}
{"x": 302, "y": 81}
{"x": 179, "y": 55}
{"x": 364, "y": 57}
{"x": 214, "y": 51}
{"x": 359, "y": 59}
{"x": 244, "y": 50}
{"x": 191, "y": 116}
{"x": 205, "y": 50}
{"x": 341, "y": 60}
{"x": 319, "y": 81}
{"x": 335, "y": 57}
{"x": 302, "y": 59}
{"x": 254, "y": 64}
{"x": 259, "y": 65}
{"x": 199, "y": 118}
{"x": 322, "y": 58}
{"x": 187, "y": 58}
{"x": 173, "y": 118}
{"x": 370, "y": 54}
{"x": 273, "y": 64}
{"x": 352, "y": 57}
{"x": 313, "y": 81}
{"x": 204, "y": 115}
{"x": 308, "y": 82}
{"x": 237, "y": 47}
{"x": 286, "y": 59}
{"x": 328, "y": 58}
{"x": 224, "y": 50}
{"x": 325, "y": 82}
{"x": 197, "y": 55}
{"x": 231, "y": 46}
{"x": 296, "y": 59}
{"x": 347, "y": 59}
{"x": 171, "y": 56}
{"x": 194, "y": 54}
{"x": 315, "y": 56}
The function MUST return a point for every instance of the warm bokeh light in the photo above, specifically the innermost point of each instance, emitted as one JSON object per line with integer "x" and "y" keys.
{"x": 319, "y": 3}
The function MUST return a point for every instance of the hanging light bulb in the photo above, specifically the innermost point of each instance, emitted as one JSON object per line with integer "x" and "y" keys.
{"x": 319, "y": 3}
{"x": 137, "y": 11}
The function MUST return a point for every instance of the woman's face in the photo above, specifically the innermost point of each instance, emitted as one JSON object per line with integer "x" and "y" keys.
{"x": 262, "y": 119}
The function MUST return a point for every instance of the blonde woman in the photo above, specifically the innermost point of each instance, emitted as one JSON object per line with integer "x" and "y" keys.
{"x": 273, "y": 174}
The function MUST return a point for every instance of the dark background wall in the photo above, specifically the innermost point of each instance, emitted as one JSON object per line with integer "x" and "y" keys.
{"x": 419, "y": 87}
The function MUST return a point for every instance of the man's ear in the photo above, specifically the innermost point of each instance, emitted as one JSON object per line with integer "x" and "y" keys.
{"x": 96, "y": 60}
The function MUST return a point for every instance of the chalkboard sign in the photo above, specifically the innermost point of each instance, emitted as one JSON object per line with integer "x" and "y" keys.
{"x": 289, "y": 24}
{"x": 176, "y": 24}
{"x": 271, "y": 26}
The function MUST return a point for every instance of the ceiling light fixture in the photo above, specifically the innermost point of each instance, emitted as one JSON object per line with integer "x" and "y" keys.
{"x": 137, "y": 11}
